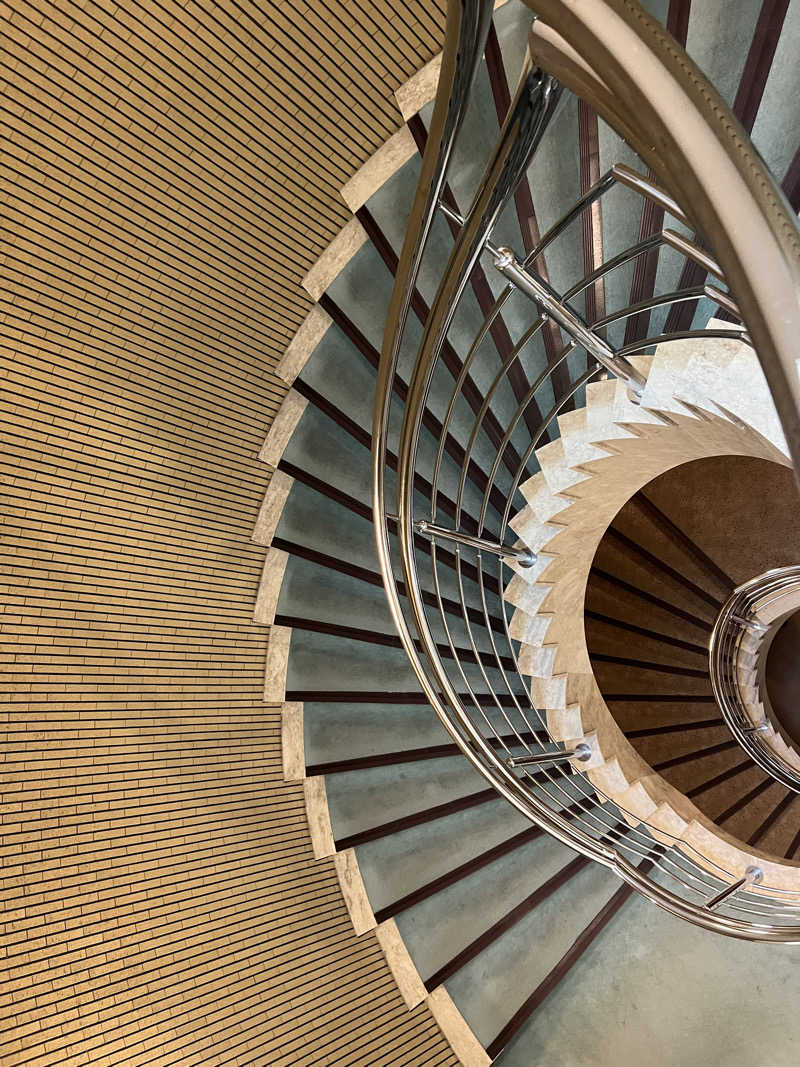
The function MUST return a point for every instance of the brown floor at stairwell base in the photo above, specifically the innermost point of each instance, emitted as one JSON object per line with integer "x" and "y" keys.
{"x": 783, "y": 676}
{"x": 741, "y": 511}
{"x": 685, "y": 541}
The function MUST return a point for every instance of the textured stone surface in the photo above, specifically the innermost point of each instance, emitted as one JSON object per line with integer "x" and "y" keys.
{"x": 302, "y": 344}
{"x": 283, "y": 427}
{"x": 551, "y": 609}
{"x": 334, "y": 259}
{"x": 379, "y": 168}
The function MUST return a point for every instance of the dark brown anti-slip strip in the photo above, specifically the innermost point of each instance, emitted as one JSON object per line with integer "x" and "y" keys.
{"x": 699, "y": 753}
{"x": 389, "y": 640}
{"x": 675, "y": 728}
{"x": 564, "y": 965}
{"x": 641, "y": 594}
{"x": 745, "y": 107}
{"x": 793, "y": 848}
{"x": 763, "y": 829}
{"x": 464, "y": 870}
{"x": 759, "y": 61}
{"x": 791, "y": 183}
{"x": 429, "y": 420}
{"x": 363, "y": 574}
{"x": 718, "y": 779}
{"x": 414, "y": 755}
{"x": 592, "y": 216}
{"x": 645, "y": 267}
{"x": 382, "y": 696}
{"x": 743, "y": 801}
{"x": 649, "y": 665}
{"x": 574, "y": 867}
{"x": 661, "y": 698}
{"x": 417, "y": 818}
{"x": 450, "y": 358}
{"x": 676, "y": 534}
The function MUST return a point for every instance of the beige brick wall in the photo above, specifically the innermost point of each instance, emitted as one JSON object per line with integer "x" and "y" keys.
{"x": 170, "y": 173}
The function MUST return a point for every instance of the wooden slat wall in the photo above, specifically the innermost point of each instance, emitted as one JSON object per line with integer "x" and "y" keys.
{"x": 170, "y": 172}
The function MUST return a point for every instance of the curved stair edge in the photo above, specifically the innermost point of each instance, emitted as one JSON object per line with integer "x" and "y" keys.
{"x": 368, "y": 179}
{"x": 332, "y": 262}
{"x": 593, "y": 439}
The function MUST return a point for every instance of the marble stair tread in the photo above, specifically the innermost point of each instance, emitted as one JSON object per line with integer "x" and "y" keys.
{"x": 397, "y": 865}
{"x": 321, "y": 596}
{"x": 509, "y": 969}
{"x": 337, "y": 733}
{"x": 440, "y": 927}
{"x": 322, "y": 663}
{"x": 383, "y": 794}
{"x": 638, "y": 1015}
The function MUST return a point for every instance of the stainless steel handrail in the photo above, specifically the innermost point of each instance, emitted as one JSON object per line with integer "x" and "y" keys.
{"x": 475, "y": 698}
{"x": 754, "y": 233}
{"x": 740, "y": 618}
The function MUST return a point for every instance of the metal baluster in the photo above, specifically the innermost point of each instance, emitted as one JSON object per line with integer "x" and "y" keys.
{"x": 523, "y": 556}
{"x": 550, "y": 303}
{"x": 581, "y": 752}
{"x": 751, "y": 876}
{"x": 761, "y": 728}
{"x": 751, "y": 624}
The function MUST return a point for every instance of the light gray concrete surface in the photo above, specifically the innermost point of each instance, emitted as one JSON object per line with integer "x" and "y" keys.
{"x": 654, "y": 990}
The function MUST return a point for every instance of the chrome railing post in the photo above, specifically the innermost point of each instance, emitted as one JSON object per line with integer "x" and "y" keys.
{"x": 523, "y": 556}
{"x": 582, "y": 752}
{"x": 760, "y": 728}
{"x": 751, "y": 624}
{"x": 751, "y": 876}
{"x": 550, "y": 303}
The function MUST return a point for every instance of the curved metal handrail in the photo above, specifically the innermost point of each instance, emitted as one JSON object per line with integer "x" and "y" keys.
{"x": 752, "y": 228}
{"x": 561, "y": 802}
{"x": 740, "y": 628}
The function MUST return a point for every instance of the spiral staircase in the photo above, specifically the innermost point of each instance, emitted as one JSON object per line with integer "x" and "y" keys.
{"x": 570, "y": 614}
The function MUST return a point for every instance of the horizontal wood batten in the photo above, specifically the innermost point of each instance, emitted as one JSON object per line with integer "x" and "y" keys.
{"x": 168, "y": 180}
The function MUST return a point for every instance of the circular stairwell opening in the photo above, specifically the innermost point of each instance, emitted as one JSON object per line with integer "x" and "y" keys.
{"x": 663, "y": 569}
{"x": 782, "y": 677}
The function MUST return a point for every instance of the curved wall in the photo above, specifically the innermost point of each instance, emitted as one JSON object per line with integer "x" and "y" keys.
{"x": 171, "y": 172}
